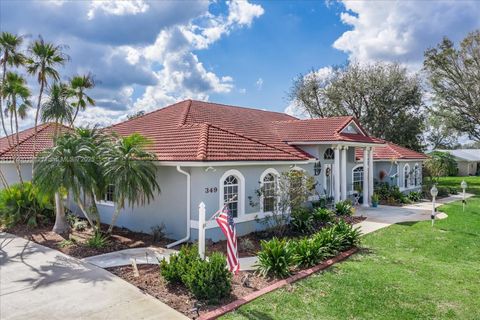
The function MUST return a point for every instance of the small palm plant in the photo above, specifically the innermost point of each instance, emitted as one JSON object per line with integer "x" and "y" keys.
{"x": 65, "y": 167}
{"x": 129, "y": 167}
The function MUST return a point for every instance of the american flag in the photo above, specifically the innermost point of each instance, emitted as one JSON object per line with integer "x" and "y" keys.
{"x": 225, "y": 221}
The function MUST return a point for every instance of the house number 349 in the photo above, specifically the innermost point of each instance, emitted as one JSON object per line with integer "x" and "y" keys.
{"x": 211, "y": 190}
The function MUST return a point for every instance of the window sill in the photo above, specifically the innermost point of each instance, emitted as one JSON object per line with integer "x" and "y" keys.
{"x": 244, "y": 218}
{"x": 105, "y": 203}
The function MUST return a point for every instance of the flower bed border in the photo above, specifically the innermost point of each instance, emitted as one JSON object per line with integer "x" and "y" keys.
{"x": 276, "y": 285}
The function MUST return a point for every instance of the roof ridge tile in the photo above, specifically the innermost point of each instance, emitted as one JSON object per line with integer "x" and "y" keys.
{"x": 203, "y": 142}
{"x": 258, "y": 141}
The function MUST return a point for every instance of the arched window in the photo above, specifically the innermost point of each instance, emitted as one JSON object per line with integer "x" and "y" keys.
{"x": 406, "y": 176}
{"x": 230, "y": 194}
{"x": 329, "y": 154}
{"x": 417, "y": 175}
{"x": 357, "y": 179}
{"x": 269, "y": 192}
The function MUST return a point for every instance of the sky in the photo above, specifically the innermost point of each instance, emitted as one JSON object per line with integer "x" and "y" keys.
{"x": 145, "y": 54}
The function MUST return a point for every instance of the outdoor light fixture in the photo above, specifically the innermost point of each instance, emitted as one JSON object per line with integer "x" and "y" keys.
{"x": 464, "y": 186}
{"x": 434, "y": 193}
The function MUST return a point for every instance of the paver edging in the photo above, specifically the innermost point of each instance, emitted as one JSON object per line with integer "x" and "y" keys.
{"x": 281, "y": 283}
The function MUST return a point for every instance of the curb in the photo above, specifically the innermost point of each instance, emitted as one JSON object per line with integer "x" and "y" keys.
{"x": 281, "y": 283}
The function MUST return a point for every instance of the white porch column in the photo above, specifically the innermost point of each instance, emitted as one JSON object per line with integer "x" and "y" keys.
{"x": 343, "y": 169}
{"x": 366, "y": 196}
{"x": 336, "y": 173}
{"x": 370, "y": 174}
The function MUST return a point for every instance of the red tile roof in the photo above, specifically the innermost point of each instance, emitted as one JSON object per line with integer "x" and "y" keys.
{"x": 202, "y": 131}
{"x": 25, "y": 146}
{"x": 195, "y": 130}
{"x": 392, "y": 151}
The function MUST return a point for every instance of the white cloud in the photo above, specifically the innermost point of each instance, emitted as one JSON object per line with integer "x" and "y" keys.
{"x": 401, "y": 31}
{"x": 259, "y": 83}
{"x": 243, "y": 12}
{"x": 183, "y": 75}
{"x": 142, "y": 53}
{"x": 118, "y": 8}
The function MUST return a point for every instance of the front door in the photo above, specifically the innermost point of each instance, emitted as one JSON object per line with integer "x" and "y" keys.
{"x": 328, "y": 180}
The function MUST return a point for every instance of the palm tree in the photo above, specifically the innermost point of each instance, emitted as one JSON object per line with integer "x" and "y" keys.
{"x": 96, "y": 141}
{"x": 63, "y": 168}
{"x": 11, "y": 56}
{"x": 15, "y": 90}
{"x": 131, "y": 170}
{"x": 56, "y": 108}
{"x": 44, "y": 58}
{"x": 78, "y": 85}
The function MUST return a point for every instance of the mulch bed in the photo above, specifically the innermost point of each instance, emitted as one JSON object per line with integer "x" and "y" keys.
{"x": 249, "y": 244}
{"x": 177, "y": 296}
{"x": 120, "y": 239}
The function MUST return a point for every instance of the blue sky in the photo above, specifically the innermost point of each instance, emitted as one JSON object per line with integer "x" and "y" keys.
{"x": 148, "y": 54}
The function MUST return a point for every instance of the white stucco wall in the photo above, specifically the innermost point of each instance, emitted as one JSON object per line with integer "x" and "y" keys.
{"x": 10, "y": 172}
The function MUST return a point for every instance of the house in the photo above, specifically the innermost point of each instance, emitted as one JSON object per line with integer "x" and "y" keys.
{"x": 468, "y": 161}
{"x": 213, "y": 153}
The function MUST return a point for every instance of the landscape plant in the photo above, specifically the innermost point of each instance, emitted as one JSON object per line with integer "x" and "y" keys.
{"x": 130, "y": 168}
{"x": 208, "y": 279}
{"x": 279, "y": 257}
{"x": 23, "y": 203}
{"x": 291, "y": 192}
{"x": 276, "y": 258}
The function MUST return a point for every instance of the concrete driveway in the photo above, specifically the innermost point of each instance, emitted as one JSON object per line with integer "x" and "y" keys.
{"x": 37, "y": 282}
{"x": 384, "y": 216}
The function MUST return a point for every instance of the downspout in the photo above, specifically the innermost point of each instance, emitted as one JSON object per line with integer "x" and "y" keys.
{"x": 187, "y": 237}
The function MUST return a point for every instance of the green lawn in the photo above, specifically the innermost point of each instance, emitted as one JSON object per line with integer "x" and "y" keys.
{"x": 473, "y": 183}
{"x": 406, "y": 271}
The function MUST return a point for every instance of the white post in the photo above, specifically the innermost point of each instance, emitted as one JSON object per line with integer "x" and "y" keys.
{"x": 434, "y": 213}
{"x": 201, "y": 230}
{"x": 366, "y": 196}
{"x": 344, "y": 173}
{"x": 370, "y": 174}
{"x": 336, "y": 173}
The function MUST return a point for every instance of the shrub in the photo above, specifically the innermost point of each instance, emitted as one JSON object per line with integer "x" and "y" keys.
{"x": 302, "y": 220}
{"x": 98, "y": 240}
{"x": 179, "y": 264}
{"x": 209, "y": 279}
{"x": 415, "y": 196}
{"x": 323, "y": 215}
{"x": 308, "y": 252}
{"x": 348, "y": 235}
{"x": 275, "y": 259}
{"x": 452, "y": 190}
{"x": 344, "y": 208}
{"x": 25, "y": 204}
{"x": 375, "y": 198}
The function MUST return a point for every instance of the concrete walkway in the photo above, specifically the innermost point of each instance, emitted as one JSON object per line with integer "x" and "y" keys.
{"x": 148, "y": 255}
{"x": 384, "y": 216}
{"x": 37, "y": 282}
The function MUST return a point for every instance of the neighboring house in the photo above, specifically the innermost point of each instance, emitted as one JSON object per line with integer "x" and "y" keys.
{"x": 209, "y": 153}
{"x": 468, "y": 161}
